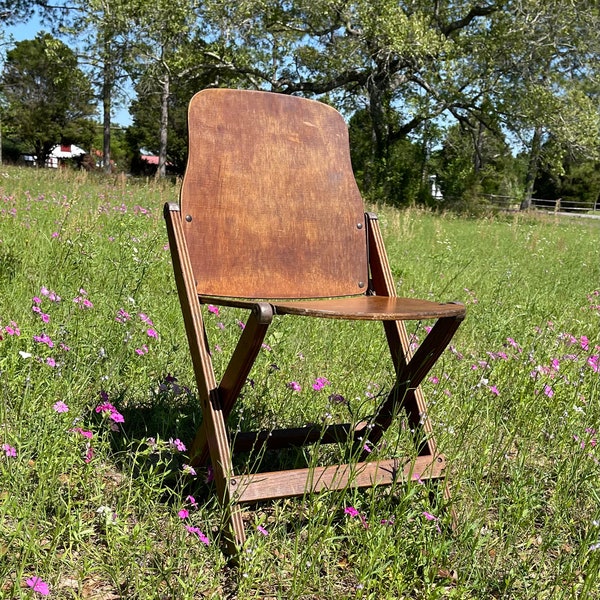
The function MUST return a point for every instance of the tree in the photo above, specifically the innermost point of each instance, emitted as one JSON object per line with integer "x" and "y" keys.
{"x": 544, "y": 64}
{"x": 49, "y": 98}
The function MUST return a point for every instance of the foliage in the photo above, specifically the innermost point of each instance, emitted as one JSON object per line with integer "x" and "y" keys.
{"x": 49, "y": 98}
{"x": 95, "y": 499}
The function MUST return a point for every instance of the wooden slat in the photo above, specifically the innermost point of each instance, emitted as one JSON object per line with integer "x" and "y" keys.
{"x": 284, "y": 484}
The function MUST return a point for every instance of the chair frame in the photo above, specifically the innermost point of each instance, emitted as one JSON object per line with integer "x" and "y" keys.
{"x": 217, "y": 398}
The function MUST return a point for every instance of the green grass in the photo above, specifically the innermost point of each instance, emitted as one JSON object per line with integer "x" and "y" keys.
{"x": 515, "y": 405}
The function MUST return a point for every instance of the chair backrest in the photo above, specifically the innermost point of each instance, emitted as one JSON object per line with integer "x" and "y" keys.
{"x": 269, "y": 203}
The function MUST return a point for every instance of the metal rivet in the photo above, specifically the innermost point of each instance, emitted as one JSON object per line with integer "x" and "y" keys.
{"x": 359, "y": 225}
{"x": 361, "y": 284}
{"x": 233, "y": 482}
{"x": 188, "y": 218}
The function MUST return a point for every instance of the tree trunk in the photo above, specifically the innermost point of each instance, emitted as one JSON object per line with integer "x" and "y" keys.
{"x": 161, "y": 171}
{"x": 107, "y": 85}
{"x": 532, "y": 167}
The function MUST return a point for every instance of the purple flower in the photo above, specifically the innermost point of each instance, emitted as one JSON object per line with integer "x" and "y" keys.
{"x": 60, "y": 407}
{"x": 213, "y": 309}
{"x": 201, "y": 536}
{"x": 262, "y": 530}
{"x": 50, "y": 362}
{"x": 548, "y": 391}
{"x": 295, "y": 386}
{"x": 192, "y": 501}
{"x": 10, "y": 451}
{"x": 37, "y": 585}
{"x": 152, "y": 333}
{"x": 320, "y": 383}
{"x": 177, "y": 444}
{"x": 494, "y": 390}
{"x": 188, "y": 469}
{"x": 350, "y": 510}
{"x": 184, "y": 513}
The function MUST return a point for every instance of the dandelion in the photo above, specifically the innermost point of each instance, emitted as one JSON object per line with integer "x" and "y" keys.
{"x": 38, "y": 585}
{"x": 60, "y": 407}
{"x": 10, "y": 451}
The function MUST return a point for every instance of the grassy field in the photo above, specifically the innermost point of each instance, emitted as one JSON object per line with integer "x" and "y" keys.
{"x": 97, "y": 404}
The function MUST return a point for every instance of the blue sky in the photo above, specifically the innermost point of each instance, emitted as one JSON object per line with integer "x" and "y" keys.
{"x": 27, "y": 31}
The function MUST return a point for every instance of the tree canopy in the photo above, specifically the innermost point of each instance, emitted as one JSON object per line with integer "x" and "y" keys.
{"x": 49, "y": 99}
{"x": 513, "y": 74}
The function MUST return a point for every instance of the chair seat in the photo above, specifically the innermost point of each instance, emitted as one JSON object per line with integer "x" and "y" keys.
{"x": 362, "y": 308}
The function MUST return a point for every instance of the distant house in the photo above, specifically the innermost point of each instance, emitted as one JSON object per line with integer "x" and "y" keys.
{"x": 61, "y": 153}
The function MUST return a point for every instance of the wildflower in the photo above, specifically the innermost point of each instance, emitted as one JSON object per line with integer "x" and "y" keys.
{"x": 145, "y": 319}
{"x": 177, "y": 444}
{"x": 210, "y": 474}
{"x": 350, "y": 510}
{"x": 141, "y": 351}
{"x": 183, "y": 513}
{"x": 60, "y": 407}
{"x": 108, "y": 409}
{"x": 337, "y": 399}
{"x": 320, "y": 383}
{"x": 241, "y": 325}
{"x": 192, "y": 501}
{"x": 45, "y": 317}
{"x": 188, "y": 469}
{"x": 38, "y": 585}
{"x": 50, "y": 362}
{"x": 584, "y": 342}
{"x": 295, "y": 386}
{"x": 434, "y": 380}
{"x": 213, "y": 309}
{"x": 86, "y": 434}
{"x": 595, "y": 546}
{"x": 262, "y": 530}
{"x": 10, "y": 451}
{"x": 431, "y": 517}
{"x": 199, "y": 533}
{"x": 494, "y": 390}
{"x": 548, "y": 391}
{"x": 152, "y": 333}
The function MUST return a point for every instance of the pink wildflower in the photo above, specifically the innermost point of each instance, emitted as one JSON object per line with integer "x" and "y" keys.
{"x": 10, "y": 451}
{"x": 177, "y": 444}
{"x": 152, "y": 333}
{"x": 320, "y": 383}
{"x": 60, "y": 407}
{"x": 213, "y": 309}
{"x": 201, "y": 536}
{"x": 548, "y": 391}
{"x": 184, "y": 513}
{"x": 350, "y": 510}
{"x": 295, "y": 386}
{"x": 262, "y": 530}
{"x": 37, "y": 585}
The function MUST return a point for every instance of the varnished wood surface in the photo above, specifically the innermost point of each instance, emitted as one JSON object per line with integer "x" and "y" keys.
{"x": 269, "y": 202}
{"x": 365, "y": 308}
{"x": 282, "y": 484}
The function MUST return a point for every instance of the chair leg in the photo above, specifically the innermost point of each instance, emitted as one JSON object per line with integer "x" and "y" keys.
{"x": 208, "y": 393}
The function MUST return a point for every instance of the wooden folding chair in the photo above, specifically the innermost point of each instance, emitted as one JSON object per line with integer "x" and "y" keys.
{"x": 271, "y": 220}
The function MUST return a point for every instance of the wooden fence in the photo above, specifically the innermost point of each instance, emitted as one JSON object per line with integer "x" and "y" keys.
{"x": 559, "y": 205}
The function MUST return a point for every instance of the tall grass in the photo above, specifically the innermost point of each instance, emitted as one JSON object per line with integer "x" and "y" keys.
{"x": 98, "y": 501}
